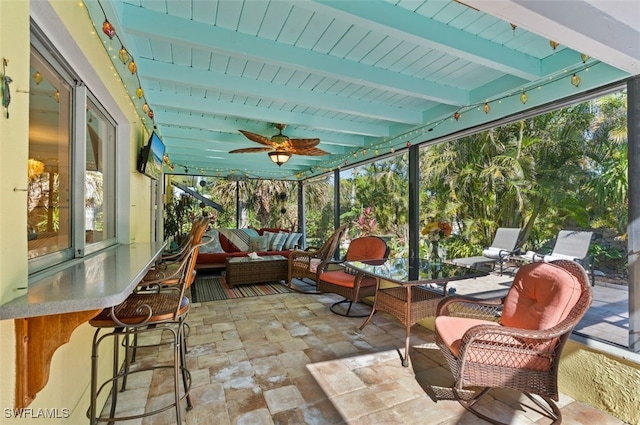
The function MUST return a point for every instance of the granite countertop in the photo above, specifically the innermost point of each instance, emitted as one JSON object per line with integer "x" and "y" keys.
{"x": 97, "y": 281}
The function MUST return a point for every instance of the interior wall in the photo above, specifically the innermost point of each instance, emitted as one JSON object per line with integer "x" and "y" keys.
{"x": 66, "y": 392}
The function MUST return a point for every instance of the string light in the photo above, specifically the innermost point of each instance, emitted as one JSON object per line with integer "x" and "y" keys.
{"x": 124, "y": 56}
{"x": 575, "y": 80}
{"x": 126, "y": 59}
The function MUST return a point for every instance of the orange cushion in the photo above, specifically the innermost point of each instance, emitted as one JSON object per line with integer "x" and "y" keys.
{"x": 497, "y": 350}
{"x": 542, "y": 295}
{"x": 340, "y": 278}
{"x": 452, "y": 329}
{"x": 366, "y": 248}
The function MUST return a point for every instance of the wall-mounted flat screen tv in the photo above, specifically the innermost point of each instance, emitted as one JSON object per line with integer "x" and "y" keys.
{"x": 150, "y": 161}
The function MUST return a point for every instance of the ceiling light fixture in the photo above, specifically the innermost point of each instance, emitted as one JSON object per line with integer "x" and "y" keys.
{"x": 279, "y": 157}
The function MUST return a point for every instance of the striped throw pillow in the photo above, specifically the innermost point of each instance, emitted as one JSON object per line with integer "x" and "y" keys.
{"x": 292, "y": 241}
{"x": 275, "y": 240}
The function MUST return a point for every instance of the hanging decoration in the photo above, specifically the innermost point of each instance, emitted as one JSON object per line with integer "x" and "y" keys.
{"x": 575, "y": 80}
{"x": 554, "y": 44}
{"x": 524, "y": 97}
{"x": 123, "y": 55}
{"x": 5, "y": 80}
{"x": 108, "y": 29}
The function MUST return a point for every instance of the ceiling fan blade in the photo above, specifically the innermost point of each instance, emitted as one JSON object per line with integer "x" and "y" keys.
{"x": 303, "y": 143}
{"x": 250, "y": 150}
{"x": 256, "y": 138}
{"x": 311, "y": 151}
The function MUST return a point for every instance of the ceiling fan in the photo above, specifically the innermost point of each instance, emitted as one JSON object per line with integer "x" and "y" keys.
{"x": 281, "y": 147}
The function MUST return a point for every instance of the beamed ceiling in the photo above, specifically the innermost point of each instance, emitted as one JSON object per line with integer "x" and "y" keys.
{"x": 365, "y": 77}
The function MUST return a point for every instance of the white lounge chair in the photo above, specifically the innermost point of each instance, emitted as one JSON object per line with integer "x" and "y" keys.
{"x": 502, "y": 247}
{"x": 570, "y": 245}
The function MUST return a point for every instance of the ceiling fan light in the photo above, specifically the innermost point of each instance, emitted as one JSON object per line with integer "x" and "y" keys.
{"x": 279, "y": 157}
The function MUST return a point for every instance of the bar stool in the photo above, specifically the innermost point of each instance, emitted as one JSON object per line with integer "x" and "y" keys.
{"x": 141, "y": 313}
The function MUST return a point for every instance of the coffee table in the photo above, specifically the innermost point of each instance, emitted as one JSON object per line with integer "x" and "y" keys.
{"x": 420, "y": 285}
{"x": 244, "y": 270}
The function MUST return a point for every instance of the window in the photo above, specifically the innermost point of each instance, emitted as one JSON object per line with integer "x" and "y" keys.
{"x": 72, "y": 156}
{"x": 99, "y": 190}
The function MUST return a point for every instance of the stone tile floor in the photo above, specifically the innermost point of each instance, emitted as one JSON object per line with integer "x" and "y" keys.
{"x": 286, "y": 359}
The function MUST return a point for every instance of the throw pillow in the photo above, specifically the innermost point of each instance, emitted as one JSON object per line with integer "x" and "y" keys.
{"x": 276, "y": 240}
{"x": 258, "y": 243}
{"x": 212, "y": 247}
{"x": 292, "y": 241}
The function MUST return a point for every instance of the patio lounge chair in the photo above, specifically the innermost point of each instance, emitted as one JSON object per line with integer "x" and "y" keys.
{"x": 570, "y": 245}
{"x": 502, "y": 247}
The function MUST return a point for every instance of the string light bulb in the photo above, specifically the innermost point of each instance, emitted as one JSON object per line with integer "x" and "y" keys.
{"x": 524, "y": 97}
{"x": 553, "y": 44}
{"x": 486, "y": 108}
{"x": 37, "y": 77}
{"x": 108, "y": 29}
{"x": 457, "y": 116}
{"x": 123, "y": 54}
{"x": 576, "y": 80}
{"x": 132, "y": 66}
{"x": 145, "y": 107}
{"x": 584, "y": 57}
{"x": 139, "y": 92}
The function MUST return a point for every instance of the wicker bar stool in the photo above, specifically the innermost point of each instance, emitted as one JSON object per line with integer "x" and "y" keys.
{"x": 141, "y": 313}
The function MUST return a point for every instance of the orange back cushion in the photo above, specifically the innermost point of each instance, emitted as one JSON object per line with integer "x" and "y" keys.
{"x": 542, "y": 295}
{"x": 366, "y": 248}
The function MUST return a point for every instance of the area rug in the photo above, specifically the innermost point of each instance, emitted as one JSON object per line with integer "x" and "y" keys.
{"x": 215, "y": 288}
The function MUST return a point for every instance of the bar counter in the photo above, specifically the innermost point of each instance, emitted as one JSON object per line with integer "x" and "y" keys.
{"x": 59, "y": 300}
{"x": 97, "y": 281}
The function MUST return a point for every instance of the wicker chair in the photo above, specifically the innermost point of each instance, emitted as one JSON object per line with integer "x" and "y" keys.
{"x": 514, "y": 343}
{"x": 305, "y": 264}
{"x": 335, "y": 278}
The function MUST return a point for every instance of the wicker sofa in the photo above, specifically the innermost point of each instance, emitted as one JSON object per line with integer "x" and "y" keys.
{"x": 229, "y": 243}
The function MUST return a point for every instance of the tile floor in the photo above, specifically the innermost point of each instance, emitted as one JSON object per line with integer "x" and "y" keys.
{"x": 286, "y": 359}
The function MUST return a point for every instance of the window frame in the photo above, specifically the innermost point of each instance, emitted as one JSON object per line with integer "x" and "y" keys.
{"x": 61, "y": 52}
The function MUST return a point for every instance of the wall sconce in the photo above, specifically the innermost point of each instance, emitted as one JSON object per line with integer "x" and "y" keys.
{"x": 279, "y": 157}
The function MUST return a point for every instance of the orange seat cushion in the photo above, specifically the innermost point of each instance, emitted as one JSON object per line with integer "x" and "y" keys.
{"x": 496, "y": 350}
{"x": 452, "y": 329}
{"x": 340, "y": 278}
{"x": 541, "y": 296}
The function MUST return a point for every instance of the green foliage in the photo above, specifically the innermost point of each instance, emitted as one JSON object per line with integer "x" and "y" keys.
{"x": 178, "y": 216}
